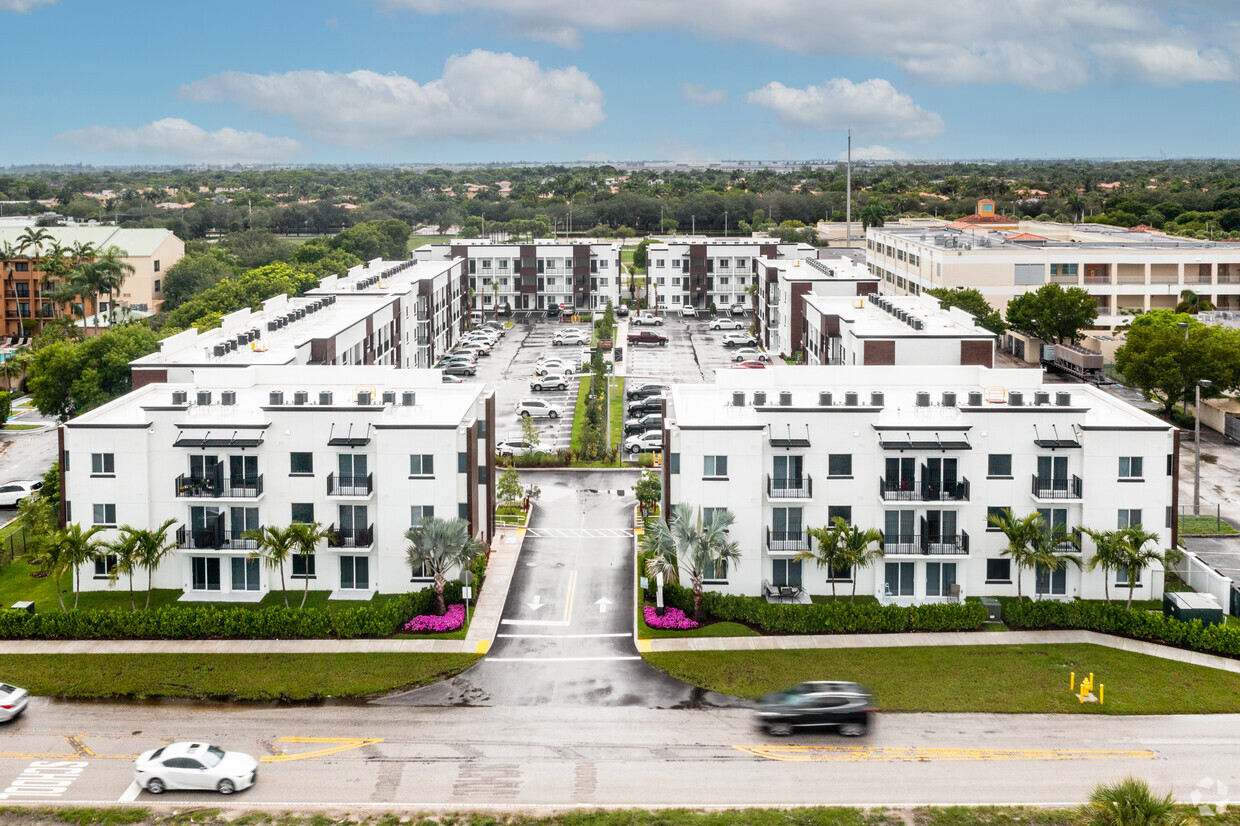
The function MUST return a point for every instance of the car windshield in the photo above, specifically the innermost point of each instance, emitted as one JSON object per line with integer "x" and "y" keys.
{"x": 213, "y": 756}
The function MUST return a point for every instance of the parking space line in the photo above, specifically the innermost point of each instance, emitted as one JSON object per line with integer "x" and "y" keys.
{"x": 572, "y": 595}
{"x": 131, "y": 793}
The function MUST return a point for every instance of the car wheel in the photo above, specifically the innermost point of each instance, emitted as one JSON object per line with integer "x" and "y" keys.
{"x": 552, "y": 414}
{"x": 853, "y": 730}
{"x": 557, "y": 343}
{"x": 563, "y": 386}
{"x": 226, "y": 787}
{"x": 155, "y": 786}
{"x": 525, "y": 414}
{"x": 780, "y": 729}
{"x": 635, "y": 449}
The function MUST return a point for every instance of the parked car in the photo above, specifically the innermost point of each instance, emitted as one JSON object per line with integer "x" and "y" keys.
{"x": 459, "y": 368}
{"x": 847, "y": 707}
{"x": 545, "y": 366}
{"x": 750, "y": 354}
{"x": 643, "y": 407}
{"x": 739, "y": 340}
{"x": 750, "y": 364}
{"x": 647, "y": 318}
{"x": 448, "y": 378}
{"x": 12, "y": 493}
{"x": 480, "y": 338}
{"x": 195, "y": 766}
{"x": 647, "y": 337}
{"x": 509, "y": 447}
{"x": 688, "y": 311}
{"x": 551, "y": 381}
{"x": 495, "y": 326}
{"x": 13, "y": 702}
{"x": 578, "y": 337}
{"x": 553, "y": 310}
{"x": 479, "y": 345}
{"x": 738, "y": 309}
{"x": 466, "y": 358}
{"x": 651, "y": 421}
{"x": 644, "y": 442}
{"x": 622, "y": 311}
{"x": 537, "y": 409}
{"x": 641, "y": 391}
{"x": 727, "y": 324}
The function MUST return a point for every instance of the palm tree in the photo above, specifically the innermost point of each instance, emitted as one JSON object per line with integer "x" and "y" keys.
{"x": 306, "y": 538}
{"x": 1107, "y": 555}
{"x": 1047, "y": 554}
{"x": 685, "y": 545}
{"x": 78, "y": 548}
{"x": 1129, "y": 803}
{"x": 495, "y": 290}
{"x": 153, "y": 547}
{"x": 439, "y": 546}
{"x": 33, "y": 238}
{"x": 112, "y": 270}
{"x": 1192, "y": 303}
{"x": 1019, "y": 533}
{"x": 50, "y": 555}
{"x": 275, "y": 545}
{"x": 827, "y": 550}
{"x": 1134, "y": 555}
{"x": 1076, "y": 203}
{"x": 128, "y": 558}
{"x": 860, "y": 547}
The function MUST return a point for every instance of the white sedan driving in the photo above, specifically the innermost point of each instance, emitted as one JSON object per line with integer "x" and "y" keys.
{"x": 195, "y": 766}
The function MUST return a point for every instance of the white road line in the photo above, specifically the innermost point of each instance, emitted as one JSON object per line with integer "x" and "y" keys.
{"x": 548, "y": 623}
{"x": 563, "y": 636}
{"x": 555, "y": 659}
{"x": 131, "y": 794}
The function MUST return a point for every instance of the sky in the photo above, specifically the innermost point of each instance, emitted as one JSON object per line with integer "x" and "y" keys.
{"x": 459, "y": 81}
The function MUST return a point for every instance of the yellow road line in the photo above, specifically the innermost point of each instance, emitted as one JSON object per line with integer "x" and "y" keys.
{"x": 895, "y": 754}
{"x": 75, "y": 742}
{"x": 339, "y": 744}
{"x": 482, "y": 647}
{"x": 572, "y": 595}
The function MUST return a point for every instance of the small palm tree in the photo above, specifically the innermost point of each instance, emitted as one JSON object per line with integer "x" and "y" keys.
{"x": 79, "y": 547}
{"x": 1046, "y": 553}
{"x": 275, "y": 546}
{"x": 1192, "y": 303}
{"x": 1108, "y": 555}
{"x": 861, "y": 548}
{"x": 1136, "y": 555}
{"x": 1129, "y": 802}
{"x": 306, "y": 538}
{"x": 440, "y": 546}
{"x": 112, "y": 269}
{"x": 826, "y": 551}
{"x": 49, "y": 554}
{"x": 495, "y": 290}
{"x": 126, "y": 549}
{"x": 153, "y": 547}
{"x": 1019, "y": 533}
{"x": 685, "y": 545}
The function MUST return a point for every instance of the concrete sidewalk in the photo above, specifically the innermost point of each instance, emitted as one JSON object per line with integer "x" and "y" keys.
{"x": 976, "y": 638}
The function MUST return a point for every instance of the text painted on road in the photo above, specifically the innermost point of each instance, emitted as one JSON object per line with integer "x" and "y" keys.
{"x": 877, "y": 754}
{"x": 44, "y": 779}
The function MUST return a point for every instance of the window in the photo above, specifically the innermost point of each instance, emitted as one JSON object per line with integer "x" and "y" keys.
{"x": 303, "y": 566}
{"x": 841, "y": 573}
{"x": 1130, "y": 467}
{"x": 419, "y": 512}
{"x": 105, "y": 515}
{"x": 995, "y": 511}
{"x": 482, "y": 474}
{"x": 355, "y": 572}
{"x": 102, "y": 464}
{"x": 839, "y": 464}
{"x": 842, "y": 511}
{"x": 673, "y": 463}
{"x": 715, "y": 571}
{"x": 998, "y": 570}
{"x": 462, "y": 510}
{"x": 1121, "y": 578}
{"x": 301, "y": 464}
{"x": 156, "y": 266}
{"x": 715, "y": 466}
{"x": 205, "y": 573}
{"x": 786, "y": 572}
{"x": 422, "y": 464}
{"x": 462, "y": 463}
{"x": 999, "y": 464}
{"x": 156, "y": 285}
{"x": 245, "y": 575}
{"x": 303, "y": 512}
{"x": 1127, "y": 517}
{"x": 104, "y": 566}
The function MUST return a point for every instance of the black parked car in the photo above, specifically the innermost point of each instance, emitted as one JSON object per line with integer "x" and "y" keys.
{"x": 651, "y": 421}
{"x": 621, "y": 311}
{"x": 646, "y": 406}
{"x": 644, "y": 390}
{"x": 845, "y": 706}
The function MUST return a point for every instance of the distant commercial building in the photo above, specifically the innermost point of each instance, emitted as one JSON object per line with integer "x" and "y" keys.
{"x": 783, "y": 284}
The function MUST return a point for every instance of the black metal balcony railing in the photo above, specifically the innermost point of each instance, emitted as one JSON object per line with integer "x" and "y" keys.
{"x": 899, "y": 490}
{"x": 1054, "y": 487}
{"x": 787, "y": 540}
{"x": 926, "y": 544}
{"x": 351, "y": 537}
{"x": 790, "y": 487}
{"x": 927, "y": 490}
{"x": 214, "y": 539}
{"x": 350, "y": 485}
{"x": 220, "y": 486}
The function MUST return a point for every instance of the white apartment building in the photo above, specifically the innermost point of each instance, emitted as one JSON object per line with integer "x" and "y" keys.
{"x": 576, "y": 274}
{"x": 699, "y": 271}
{"x": 366, "y": 451}
{"x": 891, "y": 330}
{"x": 923, "y": 454}
{"x": 403, "y": 314}
{"x": 779, "y": 307}
{"x": 1127, "y": 271}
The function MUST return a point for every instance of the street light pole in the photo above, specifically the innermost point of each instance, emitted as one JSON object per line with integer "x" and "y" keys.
{"x": 1206, "y": 383}
{"x": 1183, "y": 325}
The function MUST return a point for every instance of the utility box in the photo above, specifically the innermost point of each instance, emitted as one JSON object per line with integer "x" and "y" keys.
{"x": 26, "y": 606}
{"x": 994, "y": 609}
{"x": 1193, "y": 606}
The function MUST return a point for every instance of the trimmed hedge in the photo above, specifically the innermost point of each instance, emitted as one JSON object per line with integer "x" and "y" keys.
{"x": 830, "y": 618}
{"x": 1114, "y": 618}
{"x": 214, "y": 622}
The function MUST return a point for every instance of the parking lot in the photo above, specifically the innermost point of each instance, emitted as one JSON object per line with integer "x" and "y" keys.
{"x": 693, "y": 353}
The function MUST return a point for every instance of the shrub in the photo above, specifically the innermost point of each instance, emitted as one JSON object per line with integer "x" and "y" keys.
{"x": 452, "y": 620}
{"x": 672, "y": 618}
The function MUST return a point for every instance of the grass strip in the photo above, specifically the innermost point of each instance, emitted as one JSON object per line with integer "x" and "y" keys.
{"x": 228, "y": 676}
{"x": 996, "y": 679}
{"x": 579, "y": 412}
{"x": 22, "y": 426}
{"x": 1205, "y": 526}
{"x": 617, "y": 412}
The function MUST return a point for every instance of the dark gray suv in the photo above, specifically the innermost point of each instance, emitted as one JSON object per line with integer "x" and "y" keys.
{"x": 847, "y": 707}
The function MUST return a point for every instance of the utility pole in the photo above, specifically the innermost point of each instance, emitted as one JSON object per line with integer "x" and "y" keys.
{"x": 848, "y": 189}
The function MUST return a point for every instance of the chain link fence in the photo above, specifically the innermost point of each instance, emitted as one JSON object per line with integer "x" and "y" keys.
{"x": 14, "y": 545}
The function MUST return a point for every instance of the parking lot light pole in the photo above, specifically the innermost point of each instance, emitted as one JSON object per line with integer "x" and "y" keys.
{"x": 1207, "y": 384}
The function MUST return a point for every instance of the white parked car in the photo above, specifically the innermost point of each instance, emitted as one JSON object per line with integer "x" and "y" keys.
{"x": 750, "y": 354}
{"x": 739, "y": 309}
{"x": 13, "y": 701}
{"x": 448, "y": 378}
{"x": 480, "y": 344}
{"x": 551, "y": 381}
{"x": 508, "y": 447}
{"x": 545, "y": 366}
{"x": 688, "y": 311}
{"x": 538, "y": 409}
{"x": 727, "y": 324}
{"x": 644, "y": 442}
{"x": 195, "y": 766}
{"x": 739, "y": 340}
{"x": 647, "y": 318}
{"x": 579, "y": 337}
{"x": 11, "y": 493}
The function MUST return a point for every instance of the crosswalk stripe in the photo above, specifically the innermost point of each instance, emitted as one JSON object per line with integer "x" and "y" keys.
{"x": 579, "y": 533}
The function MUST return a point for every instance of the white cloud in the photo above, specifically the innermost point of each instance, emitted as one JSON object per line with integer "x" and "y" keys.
{"x": 875, "y": 153}
{"x": 182, "y": 141}
{"x": 678, "y": 150}
{"x": 1165, "y": 64}
{"x": 698, "y": 93}
{"x": 872, "y": 108}
{"x": 482, "y": 96}
{"x": 22, "y": 6}
{"x": 1049, "y": 45}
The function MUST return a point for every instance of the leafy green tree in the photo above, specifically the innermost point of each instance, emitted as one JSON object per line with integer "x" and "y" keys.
{"x": 874, "y": 213}
{"x": 6, "y": 406}
{"x": 508, "y": 490}
{"x": 194, "y": 273}
{"x": 256, "y": 247}
{"x": 972, "y": 302}
{"x": 1192, "y": 303}
{"x": 648, "y": 490}
{"x": 249, "y": 289}
{"x": 685, "y": 547}
{"x": 639, "y": 254}
{"x": 275, "y": 548}
{"x": 1165, "y": 362}
{"x": 66, "y": 378}
{"x": 439, "y": 546}
{"x": 65, "y": 550}
{"x": 1052, "y": 313}
{"x": 305, "y": 537}
{"x": 530, "y": 433}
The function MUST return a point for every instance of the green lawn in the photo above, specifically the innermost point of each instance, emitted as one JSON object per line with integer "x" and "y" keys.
{"x": 617, "y": 411}
{"x": 416, "y": 241}
{"x": 228, "y": 676}
{"x": 579, "y": 412}
{"x": 841, "y": 596}
{"x": 1204, "y": 526}
{"x": 995, "y": 679}
{"x": 22, "y": 426}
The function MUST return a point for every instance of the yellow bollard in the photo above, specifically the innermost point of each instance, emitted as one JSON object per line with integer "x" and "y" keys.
{"x": 1101, "y": 688}
{"x": 1072, "y": 681}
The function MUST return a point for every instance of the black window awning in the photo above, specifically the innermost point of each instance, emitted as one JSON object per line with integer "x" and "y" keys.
{"x": 208, "y": 440}
{"x": 786, "y": 439}
{"x": 349, "y": 439}
{"x": 1054, "y": 443}
{"x": 923, "y": 441}
{"x": 1056, "y": 440}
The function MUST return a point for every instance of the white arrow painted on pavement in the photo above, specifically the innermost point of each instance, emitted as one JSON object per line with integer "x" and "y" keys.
{"x": 537, "y": 603}
{"x": 602, "y": 604}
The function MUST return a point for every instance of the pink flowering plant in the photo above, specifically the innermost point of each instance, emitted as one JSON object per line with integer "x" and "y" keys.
{"x": 673, "y": 618}
{"x": 452, "y": 620}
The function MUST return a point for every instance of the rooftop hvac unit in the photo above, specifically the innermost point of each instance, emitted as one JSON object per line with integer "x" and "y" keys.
{"x": 272, "y": 325}
{"x": 301, "y": 397}
{"x": 975, "y": 398}
{"x": 277, "y": 397}
{"x": 364, "y": 397}
{"x": 876, "y": 398}
{"x": 759, "y": 398}
{"x": 408, "y": 398}
{"x": 738, "y": 399}
{"x": 218, "y": 350}
{"x": 1041, "y": 397}
{"x": 180, "y": 397}
{"x": 1016, "y": 398}
{"x": 1063, "y": 399}
{"x": 785, "y": 398}
{"x": 389, "y": 397}
{"x": 824, "y": 398}
{"x": 923, "y": 398}
{"x": 949, "y": 398}
{"x": 228, "y": 397}
{"x": 325, "y": 397}
{"x": 241, "y": 339}
{"x": 851, "y": 398}
{"x": 204, "y": 398}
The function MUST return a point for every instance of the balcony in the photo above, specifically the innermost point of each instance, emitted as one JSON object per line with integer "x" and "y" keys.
{"x": 213, "y": 539}
{"x": 927, "y": 490}
{"x": 1054, "y": 487}
{"x": 339, "y": 485}
{"x": 790, "y": 487}
{"x": 786, "y": 541}
{"x": 914, "y": 544}
{"x": 219, "y": 486}
{"x": 1097, "y": 279}
{"x": 351, "y": 537}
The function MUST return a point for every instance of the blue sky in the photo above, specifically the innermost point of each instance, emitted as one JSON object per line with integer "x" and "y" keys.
{"x": 339, "y": 81}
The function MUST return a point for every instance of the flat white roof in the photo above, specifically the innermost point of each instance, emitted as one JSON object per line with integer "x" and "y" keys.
{"x": 876, "y": 316}
{"x": 813, "y": 269}
{"x": 137, "y": 243}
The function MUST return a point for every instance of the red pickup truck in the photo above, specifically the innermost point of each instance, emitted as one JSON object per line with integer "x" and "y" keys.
{"x": 647, "y": 337}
